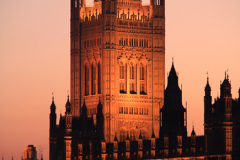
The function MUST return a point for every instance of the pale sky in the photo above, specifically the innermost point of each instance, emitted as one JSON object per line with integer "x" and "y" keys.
{"x": 202, "y": 36}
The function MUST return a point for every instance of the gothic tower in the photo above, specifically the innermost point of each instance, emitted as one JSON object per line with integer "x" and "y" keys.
{"x": 221, "y": 122}
{"x": 174, "y": 128}
{"x": 118, "y": 55}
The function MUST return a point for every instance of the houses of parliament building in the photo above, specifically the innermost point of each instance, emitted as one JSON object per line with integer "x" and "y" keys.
{"x": 118, "y": 107}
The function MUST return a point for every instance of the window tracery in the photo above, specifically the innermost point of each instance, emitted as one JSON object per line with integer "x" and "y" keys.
{"x": 86, "y": 80}
{"x": 122, "y": 77}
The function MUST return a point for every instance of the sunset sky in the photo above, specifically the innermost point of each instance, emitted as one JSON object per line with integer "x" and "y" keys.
{"x": 202, "y": 36}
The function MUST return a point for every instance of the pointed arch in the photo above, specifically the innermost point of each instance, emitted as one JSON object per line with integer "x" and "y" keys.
{"x": 123, "y": 77}
{"x": 86, "y": 80}
{"x": 143, "y": 79}
{"x": 133, "y": 78}
{"x": 99, "y": 78}
{"x": 93, "y": 78}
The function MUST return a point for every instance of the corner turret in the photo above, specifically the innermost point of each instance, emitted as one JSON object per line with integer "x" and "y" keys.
{"x": 52, "y": 118}
{"x": 207, "y": 103}
{"x": 173, "y": 108}
{"x": 225, "y": 87}
{"x": 68, "y": 117}
{"x": 100, "y": 119}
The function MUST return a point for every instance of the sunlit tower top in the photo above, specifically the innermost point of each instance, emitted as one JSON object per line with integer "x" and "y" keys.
{"x": 118, "y": 55}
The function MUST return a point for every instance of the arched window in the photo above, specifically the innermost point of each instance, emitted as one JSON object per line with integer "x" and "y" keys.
{"x": 86, "y": 80}
{"x": 143, "y": 79}
{"x": 122, "y": 77}
{"x": 122, "y": 135}
{"x": 93, "y": 83}
{"x": 132, "y": 135}
{"x": 99, "y": 78}
{"x": 133, "y": 78}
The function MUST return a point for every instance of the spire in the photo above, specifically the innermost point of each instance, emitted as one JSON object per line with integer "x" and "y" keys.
{"x": 128, "y": 136}
{"x": 193, "y": 132}
{"x": 140, "y": 135}
{"x": 99, "y": 106}
{"x": 115, "y": 138}
{"x": 68, "y": 102}
{"x": 172, "y": 71}
{"x": 84, "y": 108}
{"x": 207, "y": 87}
{"x": 153, "y": 135}
{"x": 225, "y": 87}
{"x": 172, "y": 94}
{"x": 53, "y": 106}
{"x": 68, "y": 105}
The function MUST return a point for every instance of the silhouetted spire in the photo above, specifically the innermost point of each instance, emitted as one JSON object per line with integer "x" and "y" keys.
{"x": 53, "y": 106}
{"x": 172, "y": 72}
{"x": 68, "y": 102}
{"x": 52, "y": 117}
{"x": 172, "y": 94}
{"x": 84, "y": 108}
{"x": 225, "y": 87}
{"x": 115, "y": 138}
{"x": 84, "y": 120}
{"x": 193, "y": 132}
{"x": 99, "y": 107}
{"x": 140, "y": 135}
{"x": 153, "y": 135}
{"x": 68, "y": 105}
{"x": 100, "y": 120}
{"x": 207, "y": 88}
{"x": 128, "y": 136}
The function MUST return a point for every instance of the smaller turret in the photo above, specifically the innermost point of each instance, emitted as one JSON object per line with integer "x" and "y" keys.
{"x": 193, "y": 141}
{"x": 127, "y": 147}
{"x": 52, "y": 118}
{"x": 153, "y": 145}
{"x": 68, "y": 117}
{"x": 225, "y": 87}
{"x": 100, "y": 119}
{"x": 84, "y": 119}
{"x": 140, "y": 146}
{"x": 207, "y": 102}
{"x": 115, "y": 146}
{"x": 207, "y": 88}
{"x": 68, "y": 105}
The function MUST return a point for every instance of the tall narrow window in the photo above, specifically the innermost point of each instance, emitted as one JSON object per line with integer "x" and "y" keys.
{"x": 145, "y": 43}
{"x": 126, "y": 42}
{"x": 143, "y": 79}
{"x": 122, "y": 78}
{"x": 93, "y": 69}
{"x": 121, "y": 42}
{"x": 133, "y": 79}
{"x": 122, "y": 136}
{"x": 132, "y": 135}
{"x": 99, "y": 79}
{"x": 86, "y": 80}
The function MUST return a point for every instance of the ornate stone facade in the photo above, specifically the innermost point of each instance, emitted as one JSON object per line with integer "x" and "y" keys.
{"x": 118, "y": 55}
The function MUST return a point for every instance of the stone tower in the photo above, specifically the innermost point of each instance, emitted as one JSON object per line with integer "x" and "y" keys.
{"x": 221, "y": 122}
{"x": 174, "y": 129}
{"x": 118, "y": 56}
